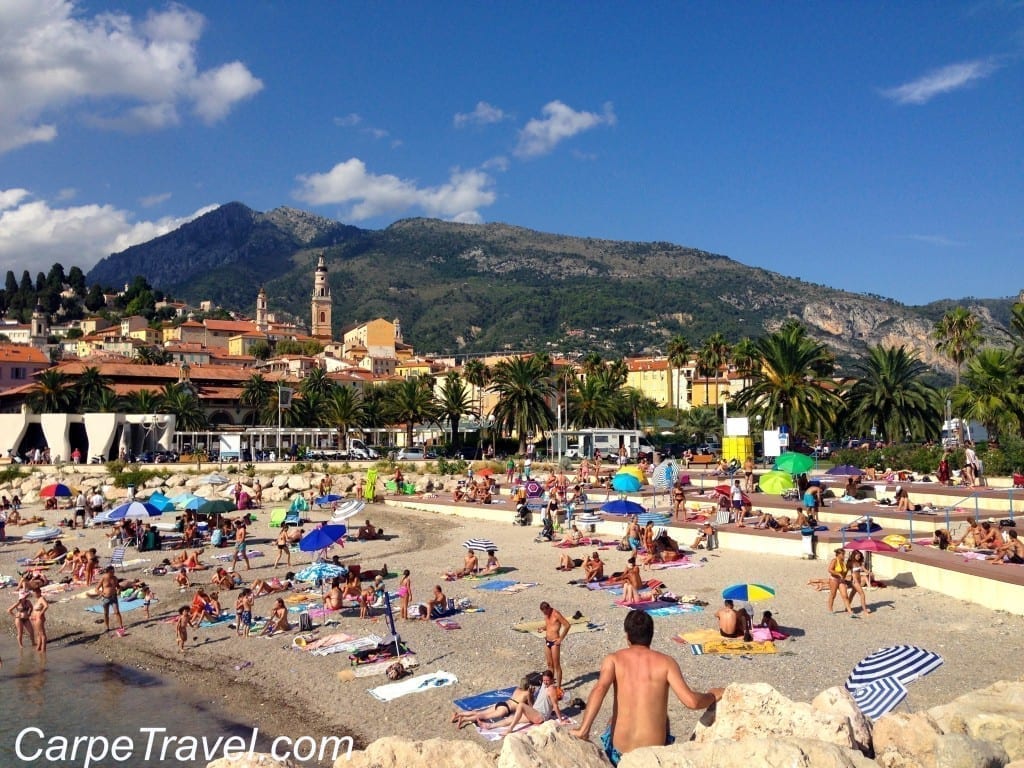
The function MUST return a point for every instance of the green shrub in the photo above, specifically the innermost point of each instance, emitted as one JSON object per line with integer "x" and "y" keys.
{"x": 10, "y": 473}
{"x": 452, "y": 466}
{"x": 297, "y": 468}
{"x": 137, "y": 477}
{"x": 1003, "y": 460}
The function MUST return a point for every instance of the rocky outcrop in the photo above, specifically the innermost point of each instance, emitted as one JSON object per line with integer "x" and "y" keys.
{"x": 402, "y": 753}
{"x": 550, "y": 746}
{"x": 255, "y": 760}
{"x": 763, "y": 752}
{"x": 993, "y": 714}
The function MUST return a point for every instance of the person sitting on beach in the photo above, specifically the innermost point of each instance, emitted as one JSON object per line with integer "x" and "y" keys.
{"x": 940, "y": 538}
{"x": 567, "y": 562}
{"x": 544, "y": 707}
{"x": 575, "y": 535}
{"x": 372, "y": 597}
{"x": 353, "y": 588}
{"x": 469, "y": 567}
{"x": 182, "y": 579}
{"x": 224, "y": 580}
{"x": 73, "y": 562}
{"x": 1010, "y": 552}
{"x": 201, "y": 608}
{"x": 704, "y": 537}
{"x": 492, "y": 565}
{"x": 269, "y": 586}
{"x": 631, "y": 582}
{"x": 189, "y": 560}
{"x": 768, "y": 622}
{"x": 295, "y": 535}
{"x": 733, "y": 623}
{"x": 438, "y": 603}
{"x": 593, "y": 568}
{"x": 852, "y": 487}
{"x": 334, "y": 597}
{"x": 503, "y": 709}
{"x": 57, "y": 551}
{"x": 989, "y": 538}
{"x": 216, "y": 609}
{"x": 903, "y": 500}
{"x": 460, "y": 493}
{"x": 721, "y": 469}
{"x": 369, "y": 532}
{"x": 278, "y": 621}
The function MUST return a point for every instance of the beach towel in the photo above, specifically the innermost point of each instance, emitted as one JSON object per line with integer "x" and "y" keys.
{"x": 448, "y": 624}
{"x": 536, "y": 628}
{"x": 519, "y": 586}
{"x": 321, "y": 642}
{"x": 496, "y": 586}
{"x": 209, "y": 621}
{"x": 710, "y": 641}
{"x": 417, "y": 684}
{"x": 497, "y": 734}
{"x": 482, "y": 576}
{"x": 615, "y": 588}
{"x": 378, "y": 668}
{"x": 124, "y": 605}
{"x": 684, "y": 563}
{"x": 341, "y": 645}
{"x": 485, "y": 699}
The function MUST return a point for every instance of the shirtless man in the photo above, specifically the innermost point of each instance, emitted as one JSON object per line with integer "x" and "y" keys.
{"x": 593, "y": 568}
{"x": 240, "y": 534}
{"x": 640, "y": 713}
{"x": 733, "y": 623}
{"x": 109, "y": 586}
{"x": 1010, "y": 552}
{"x": 631, "y": 582}
{"x": 556, "y": 627}
{"x": 469, "y": 567}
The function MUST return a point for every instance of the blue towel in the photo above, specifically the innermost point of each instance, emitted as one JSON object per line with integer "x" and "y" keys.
{"x": 481, "y": 700}
{"x": 124, "y": 605}
{"x": 495, "y": 586}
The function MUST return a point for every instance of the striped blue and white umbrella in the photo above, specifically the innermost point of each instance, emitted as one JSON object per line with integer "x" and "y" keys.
{"x": 879, "y": 697}
{"x": 484, "y": 545}
{"x": 134, "y": 510}
{"x": 588, "y": 518}
{"x": 899, "y": 663}
{"x": 664, "y": 475}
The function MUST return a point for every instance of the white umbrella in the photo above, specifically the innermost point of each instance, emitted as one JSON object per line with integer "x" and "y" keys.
{"x": 484, "y": 545}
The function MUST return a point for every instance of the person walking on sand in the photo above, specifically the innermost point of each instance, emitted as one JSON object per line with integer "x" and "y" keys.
{"x": 39, "y": 606}
{"x": 640, "y": 710}
{"x": 837, "y": 581}
{"x": 404, "y": 594}
{"x": 556, "y": 627}
{"x": 283, "y": 547}
{"x": 240, "y": 534}
{"x": 181, "y": 627}
{"x": 109, "y": 586}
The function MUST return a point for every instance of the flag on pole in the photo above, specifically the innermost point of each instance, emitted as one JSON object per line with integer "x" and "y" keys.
{"x": 284, "y": 397}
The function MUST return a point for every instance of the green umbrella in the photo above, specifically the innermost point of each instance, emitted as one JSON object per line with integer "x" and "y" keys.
{"x": 775, "y": 482}
{"x": 216, "y": 507}
{"x": 794, "y": 463}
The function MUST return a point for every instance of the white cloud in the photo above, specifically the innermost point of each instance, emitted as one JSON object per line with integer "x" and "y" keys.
{"x": 33, "y": 232}
{"x": 938, "y": 240}
{"x": 484, "y": 114}
{"x": 372, "y": 195}
{"x": 136, "y": 74}
{"x": 151, "y": 200}
{"x": 349, "y": 120}
{"x": 560, "y": 122}
{"x": 939, "y": 81}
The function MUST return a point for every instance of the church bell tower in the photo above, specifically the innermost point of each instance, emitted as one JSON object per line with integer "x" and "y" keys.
{"x": 320, "y": 327}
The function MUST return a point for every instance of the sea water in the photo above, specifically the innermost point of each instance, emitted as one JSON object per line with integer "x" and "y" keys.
{"x": 76, "y": 693}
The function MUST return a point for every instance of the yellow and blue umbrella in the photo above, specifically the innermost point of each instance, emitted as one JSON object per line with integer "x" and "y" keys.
{"x": 635, "y": 471}
{"x": 748, "y": 593}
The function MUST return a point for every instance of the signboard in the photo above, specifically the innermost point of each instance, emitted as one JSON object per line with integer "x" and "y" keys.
{"x": 230, "y": 447}
{"x": 772, "y": 443}
{"x": 737, "y": 426}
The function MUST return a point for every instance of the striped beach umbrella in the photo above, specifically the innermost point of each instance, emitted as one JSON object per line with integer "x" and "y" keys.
{"x": 484, "y": 545}
{"x": 664, "y": 475}
{"x": 897, "y": 664}
{"x": 135, "y": 510}
{"x": 54, "y": 490}
{"x": 879, "y": 697}
{"x": 748, "y": 593}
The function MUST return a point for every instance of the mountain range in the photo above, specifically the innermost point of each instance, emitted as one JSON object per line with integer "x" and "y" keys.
{"x": 477, "y": 288}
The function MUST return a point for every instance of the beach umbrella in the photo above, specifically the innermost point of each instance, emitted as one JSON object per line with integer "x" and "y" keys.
{"x": 194, "y": 503}
{"x": 347, "y": 510}
{"x": 330, "y": 498}
{"x": 320, "y": 571}
{"x": 793, "y": 462}
{"x": 160, "y": 501}
{"x": 775, "y": 482}
{"x": 322, "y": 537}
{"x": 484, "y": 545}
{"x": 888, "y": 671}
{"x": 665, "y": 475}
{"x": 846, "y": 470}
{"x": 748, "y": 593}
{"x": 635, "y": 471}
{"x": 134, "y": 510}
{"x": 56, "y": 489}
{"x": 587, "y": 518}
{"x": 215, "y": 507}
{"x": 485, "y": 472}
{"x": 213, "y": 479}
{"x": 625, "y": 482}
{"x": 869, "y": 545}
{"x": 623, "y": 507}
{"x": 533, "y": 489}
{"x": 182, "y": 499}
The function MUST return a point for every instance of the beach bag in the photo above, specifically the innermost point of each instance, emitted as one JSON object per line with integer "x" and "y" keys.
{"x": 305, "y": 622}
{"x": 396, "y": 671}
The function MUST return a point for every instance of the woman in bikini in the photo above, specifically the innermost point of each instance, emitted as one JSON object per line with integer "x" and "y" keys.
{"x": 858, "y": 571}
{"x": 405, "y": 593}
{"x": 353, "y": 588}
{"x": 283, "y": 547}
{"x": 22, "y": 613}
{"x": 501, "y": 710}
{"x": 38, "y": 619}
{"x": 278, "y": 621}
{"x": 333, "y": 599}
{"x": 837, "y": 581}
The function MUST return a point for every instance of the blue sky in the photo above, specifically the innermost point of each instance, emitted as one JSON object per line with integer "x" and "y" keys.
{"x": 877, "y": 147}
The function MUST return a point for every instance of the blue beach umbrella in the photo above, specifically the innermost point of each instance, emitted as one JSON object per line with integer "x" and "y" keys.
{"x": 159, "y": 501}
{"x": 623, "y": 507}
{"x": 134, "y": 510}
{"x": 320, "y": 572}
{"x": 626, "y": 483}
{"x": 322, "y": 537}
{"x": 330, "y": 498}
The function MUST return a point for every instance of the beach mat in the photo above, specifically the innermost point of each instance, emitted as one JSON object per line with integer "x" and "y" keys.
{"x": 448, "y": 624}
{"x": 582, "y": 624}
{"x": 496, "y": 586}
{"x": 497, "y": 734}
{"x": 484, "y": 576}
{"x": 485, "y": 699}
{"x": 661, "y": 607}
{"x": 710, "y": 641}
{"x": 124, "y": 605}
{"x": 417, "y": 684}
{"x": 676, "y": 564}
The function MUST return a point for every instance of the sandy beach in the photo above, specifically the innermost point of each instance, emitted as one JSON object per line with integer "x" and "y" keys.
{"x": 285, "y": 688}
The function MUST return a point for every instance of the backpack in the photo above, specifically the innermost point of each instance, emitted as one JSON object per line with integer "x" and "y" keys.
{"x": 305, "y": 622}
{"x": 396, "y": 671}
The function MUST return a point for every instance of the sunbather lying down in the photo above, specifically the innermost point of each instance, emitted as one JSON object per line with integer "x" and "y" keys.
{"x": 820, "y": 585}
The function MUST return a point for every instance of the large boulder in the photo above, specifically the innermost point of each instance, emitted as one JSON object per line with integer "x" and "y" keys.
{"x": 955, "y": 750}
{"x": 995, "y": 713}
{"x": 759, "y": 711}
{"x": 838, "y": 701}
{"x": 906, "y": 740}
{"x": 551, "y": 746}
{"x": 394, "y": 752}
{"x": 762, "y": 751}
{"x": 299, "y": 483}
{"x": 255, "y": 760}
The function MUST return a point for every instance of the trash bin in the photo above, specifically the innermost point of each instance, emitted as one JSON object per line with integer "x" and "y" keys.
{"x": 131, "y": 492}
{"x": 809, "y": 541}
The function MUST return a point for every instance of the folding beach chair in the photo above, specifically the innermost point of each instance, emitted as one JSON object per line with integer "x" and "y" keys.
{"x": 117, "y": 557}
{"x": 277, "y": 517}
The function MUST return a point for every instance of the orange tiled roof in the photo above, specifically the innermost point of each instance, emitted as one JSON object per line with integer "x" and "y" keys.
{"x": 647, "y": 364}
{"x": 231, "y": 326}
{"x": 22, "y": 353}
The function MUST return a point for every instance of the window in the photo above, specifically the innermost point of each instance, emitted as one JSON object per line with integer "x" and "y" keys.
{"x": 323, "y": 317}
{"x": 18, "y": 373}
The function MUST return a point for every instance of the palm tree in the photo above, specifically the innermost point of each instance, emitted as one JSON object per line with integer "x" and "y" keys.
{"x": 52, "y": 393}
{"x": 256, "y": 394}
{"x": 181, "y": 401}
{"x": 713, "y": 355}
{"x": 678, "y": 356}
{"x": 957, "y": 335}
{"x": 142, "y": 401}
{"x": 992, "y": 392}
{"x": 592, "y": 363}
{"x": 888, "y": 392}
{"x": 152, "y": 355}
{"x": 454, "y": 401}
{"x": 479, "y": 375}
{"x": 106, "y": 401}
{"x": 411, "y": 402}
{"x": 637, "y": 408}
{"x": 524, "y": 390}
{"x": 89, "y": 387}
{"x": 593, "y": 403}
{"x": 316, "y": 381}
{"x": 344, "y": 410}
{"x": 701, "y": 422}
{"x": 792, "y": 386}
{"x": 744, "y": 356}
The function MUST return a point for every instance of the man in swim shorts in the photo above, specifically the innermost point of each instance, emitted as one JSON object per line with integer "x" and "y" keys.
{"x": 556, "y": 627}
{"x": 240, "y": 534}
{"x": 109, "y": 587}
{"x": 733, "y": 623}
{"x": 640, "y": 715}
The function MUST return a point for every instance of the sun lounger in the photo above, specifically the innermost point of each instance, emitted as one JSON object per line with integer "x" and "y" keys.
{"x": 277, "y": 517}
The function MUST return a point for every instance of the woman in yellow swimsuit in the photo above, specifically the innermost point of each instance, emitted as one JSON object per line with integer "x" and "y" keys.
{"x": 837, "y": 581}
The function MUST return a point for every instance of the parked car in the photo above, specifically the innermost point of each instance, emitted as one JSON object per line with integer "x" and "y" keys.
{"x": 411, "y": 454}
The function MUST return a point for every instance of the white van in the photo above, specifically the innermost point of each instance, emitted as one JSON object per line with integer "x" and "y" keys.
{"x": 357, "y": 449}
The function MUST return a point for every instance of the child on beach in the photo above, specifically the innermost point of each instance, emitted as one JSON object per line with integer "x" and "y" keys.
{"x": 243, "y": 613}
{"x": 148, "y": 596}
{"x": 769, "y": 623}
{"x": 181, "y": 627}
